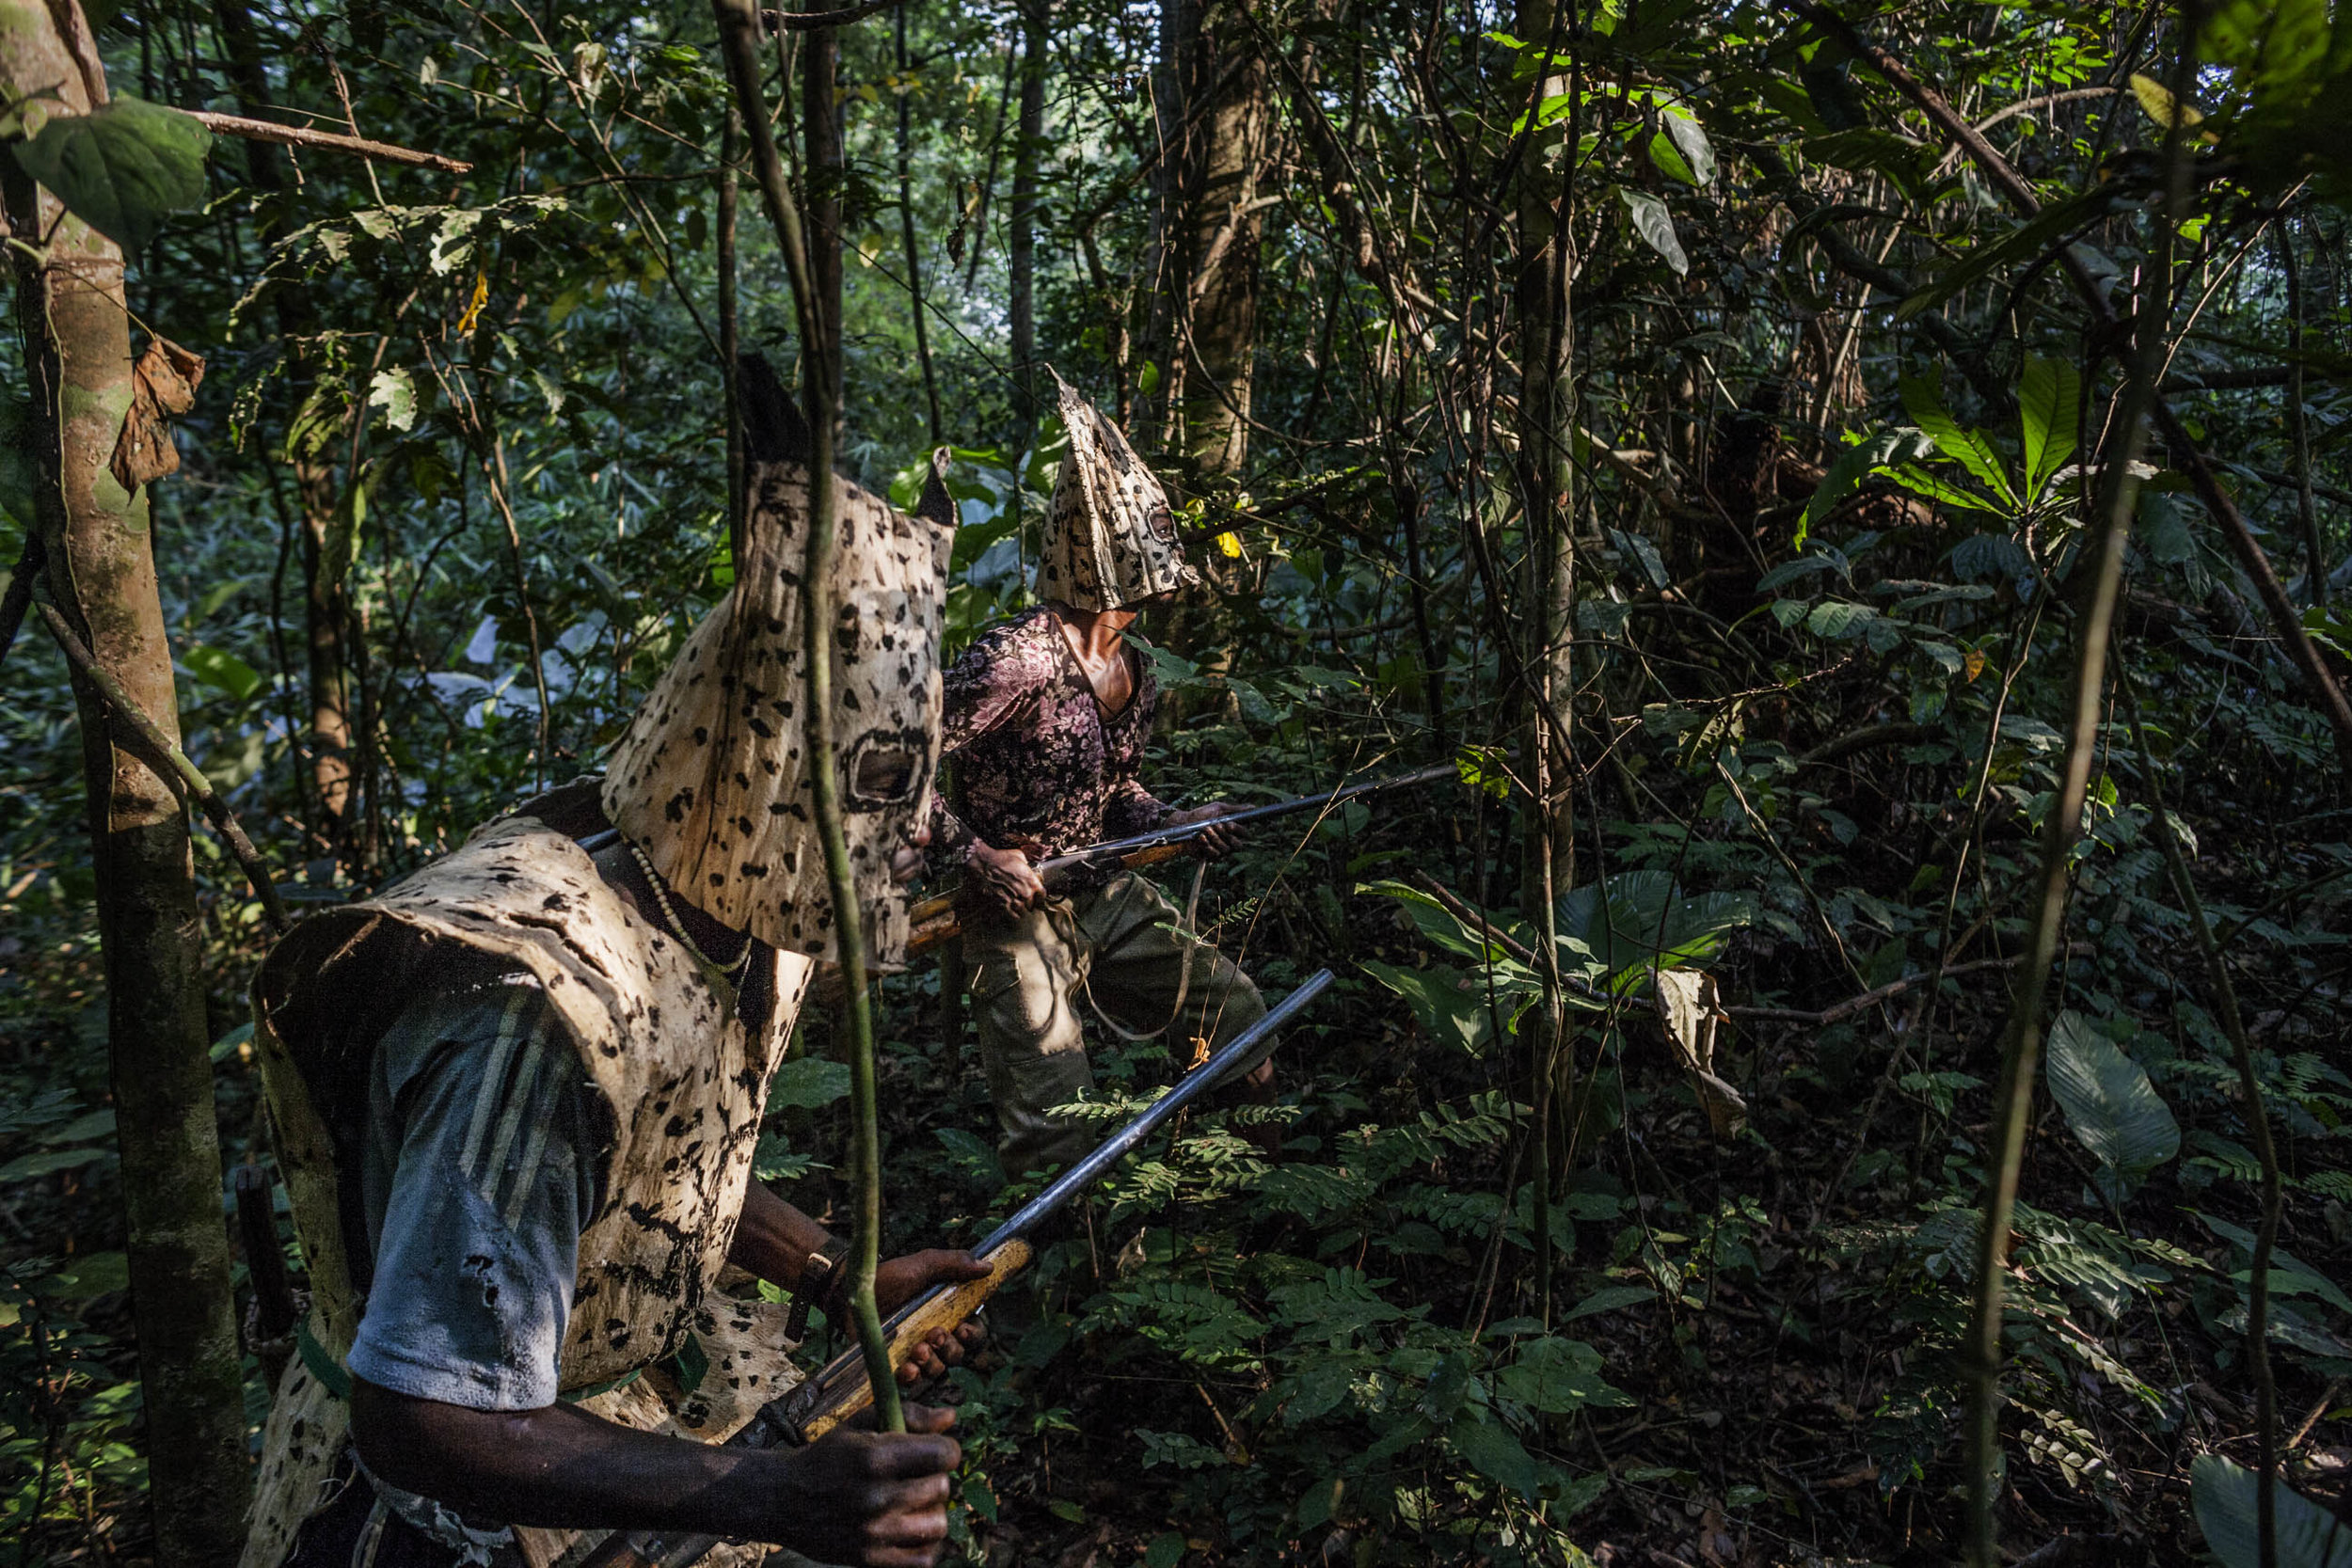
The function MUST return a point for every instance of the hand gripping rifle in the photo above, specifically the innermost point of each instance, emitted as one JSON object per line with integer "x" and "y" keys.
{"x": 936, "y": 919}
{"x": 839, "y": 1391}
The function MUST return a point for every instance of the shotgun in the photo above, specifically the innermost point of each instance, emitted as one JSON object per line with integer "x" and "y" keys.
{"x": 937, "y": 919}
{"x": 839, "y": 1390}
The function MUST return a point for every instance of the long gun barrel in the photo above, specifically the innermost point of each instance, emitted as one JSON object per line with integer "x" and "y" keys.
{"x": 839, "y": 1390}
{"x": 936, "y": 919}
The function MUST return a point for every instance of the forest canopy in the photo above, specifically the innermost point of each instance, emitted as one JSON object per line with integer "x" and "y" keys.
{"x": 1858, "y": 493}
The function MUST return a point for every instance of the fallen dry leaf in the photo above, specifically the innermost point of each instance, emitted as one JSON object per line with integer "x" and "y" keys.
{"x": 164, "y": 383}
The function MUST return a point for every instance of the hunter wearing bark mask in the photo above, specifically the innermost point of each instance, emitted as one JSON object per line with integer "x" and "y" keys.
{"x": 1043, "y": 725}
{"x": 517, "y": 1097}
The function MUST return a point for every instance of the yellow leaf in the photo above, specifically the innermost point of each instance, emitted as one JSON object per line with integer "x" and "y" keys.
{"x": 1230, "y": 544}
{"x": 2161, "y": 106}
{"x": 473, "y": 310}
{"x": 1973, "y": 660}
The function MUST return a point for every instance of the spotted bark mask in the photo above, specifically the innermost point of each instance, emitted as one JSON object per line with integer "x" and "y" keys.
{"x": 712, "y": 778}
{"x": 1110, "y": 539}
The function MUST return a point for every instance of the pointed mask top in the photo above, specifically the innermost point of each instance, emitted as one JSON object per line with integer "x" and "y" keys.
{"x": 1110, "y": 540}
{"x": 712, "y": 778}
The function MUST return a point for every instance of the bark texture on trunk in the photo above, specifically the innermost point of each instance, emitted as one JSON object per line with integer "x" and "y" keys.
{"x": 825, "y": 169}
{"x": 101, "y": 572}
{"x": 1021, "y": 244}
{"x": 1547, "y": 480}
{"x": 1222, "y": 81}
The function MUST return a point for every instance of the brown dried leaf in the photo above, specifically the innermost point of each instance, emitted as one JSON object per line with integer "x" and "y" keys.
{"x": 162, "y": 383}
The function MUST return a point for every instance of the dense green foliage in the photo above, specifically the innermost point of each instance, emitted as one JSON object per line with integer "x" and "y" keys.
{"x": 1840, "y": 410}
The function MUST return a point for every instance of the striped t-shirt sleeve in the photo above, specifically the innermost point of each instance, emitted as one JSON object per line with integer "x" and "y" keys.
{"x": 480, "y": 1169}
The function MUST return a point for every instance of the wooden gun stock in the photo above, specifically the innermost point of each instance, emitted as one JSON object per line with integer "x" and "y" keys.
{"x": 840, "y": 1390}
{"x": 833, "y": 1397}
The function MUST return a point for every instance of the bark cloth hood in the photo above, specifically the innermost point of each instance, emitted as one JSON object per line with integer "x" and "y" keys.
{"x": 1110, "y": 539}
{"x": 712, "y": 778}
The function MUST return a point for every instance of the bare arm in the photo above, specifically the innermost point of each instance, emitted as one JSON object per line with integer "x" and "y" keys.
{"x": 774, "y": 1240}
{"x": 853, "y": 1497}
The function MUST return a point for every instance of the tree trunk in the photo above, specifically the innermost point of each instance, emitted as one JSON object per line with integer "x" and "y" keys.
{"x": 825, "y": 168}
{"x": 101, "y": 572}
{"x": 1021, "y": 244}
{"x": 1546, "y": 422}
{"x": 1222, "y": 80}
{"x": 906, "y": 234}
{"x": 311, "y": 445}
{"x": 1546, "y": 426}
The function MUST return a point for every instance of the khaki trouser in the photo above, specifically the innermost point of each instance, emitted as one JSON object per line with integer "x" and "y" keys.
{"x": 1029, "y": 980}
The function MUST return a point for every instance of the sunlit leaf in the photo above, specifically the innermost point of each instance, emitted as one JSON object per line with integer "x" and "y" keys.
{"x": 1656, "y": 226}
{"x": 2110, "y": 1103}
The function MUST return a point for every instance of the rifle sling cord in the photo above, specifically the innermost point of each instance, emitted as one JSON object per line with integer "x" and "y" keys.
{"x": 1187, "y": 933}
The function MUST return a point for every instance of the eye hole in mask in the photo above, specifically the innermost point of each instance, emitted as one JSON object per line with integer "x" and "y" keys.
{"x": 1164, "y": 522}
{"x": 882, "y": 770}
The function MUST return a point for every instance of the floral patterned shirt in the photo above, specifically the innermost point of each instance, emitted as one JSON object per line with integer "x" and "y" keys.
{"x": 1031, "y": 755}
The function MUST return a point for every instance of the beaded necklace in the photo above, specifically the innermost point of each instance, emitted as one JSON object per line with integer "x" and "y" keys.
{"x": 677, "y": 928}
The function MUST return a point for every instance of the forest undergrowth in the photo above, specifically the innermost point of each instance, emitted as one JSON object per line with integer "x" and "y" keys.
{"x": 1665, "y": 415}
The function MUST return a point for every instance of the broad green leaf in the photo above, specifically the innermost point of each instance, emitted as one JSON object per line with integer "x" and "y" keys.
{"x": 1669, "y": 159}
{"x": 122, "y": 168}
{"x": 26, "y": 1166}
{"x": 1921, "y": 482}
{"x": 217, "y": 667}
{"x": 1494, "y": 1452}
{"x": 1835, "y": 618}
{"x": 2282, "y": 1261}
{"x": 2161, "y": 107}
{"x": 2047, "y": 398}
{"x": 1656, "y": 226}
{"x": 1690, "y": 137}
{"x": 1645, "y": 923}
{"x": 1442, "y": 1008}
{"x": 1609, "y": 1298}
{"x": 1556, "y": 1376}
{"x": 811, "y": 1084}
{"x": 1439, "y": 926}
{"x": 94, "y": 1274}
{"x": 1969, "y": 448}
{"x": 2223, "y": 1493}
{"x": 2110, "y": 1103}
{"x": 1855, "y": 465}
{"x": 394, "y": 392}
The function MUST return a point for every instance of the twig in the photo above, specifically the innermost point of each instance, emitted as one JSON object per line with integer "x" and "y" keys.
{"x": 329, "y": 141}
{"x": 160, "y": 747}
{"x": 1869, "y": 999}
{"x": 2318, "y": 1409}
{"x": 738, "y": 31}
{"x": 812, "y": 21}
{"x": 1469, "y": 916}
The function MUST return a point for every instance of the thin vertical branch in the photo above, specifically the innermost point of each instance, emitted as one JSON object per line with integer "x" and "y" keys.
{"x": 2012, "y": 1098}
{"x": 730, "y": 329}
{"x": 739, "y": 24}
{"x": 2298, "y": 421}
{"x": 2258, "y": 1125}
